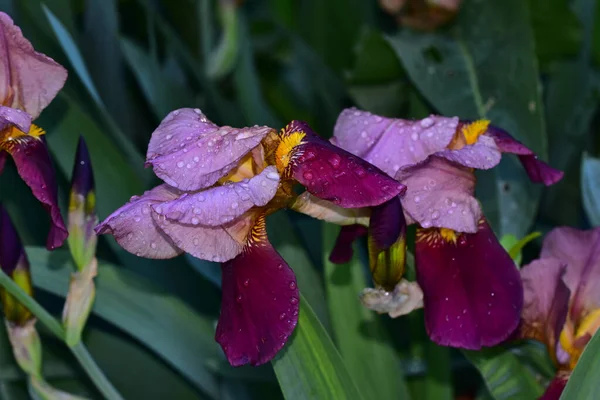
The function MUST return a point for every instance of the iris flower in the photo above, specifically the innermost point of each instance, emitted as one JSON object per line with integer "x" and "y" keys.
{"x": 562, "y": 298}
{"x": 472, "y": 291}
{"x": 28, "y": 82}
{"x": 219, "y": 185}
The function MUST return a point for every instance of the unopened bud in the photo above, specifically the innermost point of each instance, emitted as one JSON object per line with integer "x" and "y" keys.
{"x": 26, "y": 346}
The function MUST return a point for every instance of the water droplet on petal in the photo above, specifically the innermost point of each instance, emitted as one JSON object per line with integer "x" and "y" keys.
{"x": 234, "y": 205}
{"x": 414, "y": 136}
{"x": 130, "y": 236}
{"x": 196, "y": 242}
{"x": 292, "y": 285}
{"x": 239, "y": 298}
{"x": 273, "y": 175}
{"x": 282, "y": 316}
{"x": 435, "y": 215}
{"x": 417, "y": 199}
{"x": 294, "y": 300}
{"x": 195, "y": 221}
{"x": 180, "y": 164}
{"x": 201, "y": 198}
{"x": 334, "y": 160}
{"x": 247, "y": 283}
{"x": 280, "y": 267}
{"x": 427, "y": 122}
{"x": 169, "y": 137}
{"x": 153, "y": 245}
{"x": 137, "y": 219}
{"x": 307, "y": 175}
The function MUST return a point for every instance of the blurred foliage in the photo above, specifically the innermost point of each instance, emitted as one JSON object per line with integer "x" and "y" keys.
{"x": 531, "y": 67}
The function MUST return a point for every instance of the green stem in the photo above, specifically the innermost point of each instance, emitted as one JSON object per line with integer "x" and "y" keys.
{"x": 79, "y": 350}
{"x": 94, "y": 372}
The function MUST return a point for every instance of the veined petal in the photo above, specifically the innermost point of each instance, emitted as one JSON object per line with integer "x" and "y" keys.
{"x": 580, "y": 251}
{"x": 335, "y": 175}
{"x": 537, "y": 170}
{"x": 342, "y": 250}
{"x": 222, "y": 204}
{"x": 259, "y": 307}
{"x": 389, "y": 143}
{"x": 14, "y": 117}
{"x": 14, "y": 263}
{"x": 28, "y": 80}
{"x": 315, "y": 207}
{"x": 35, "y": 168}
{"x": 134, "y": 228}
{"x": 190, "y": 153}
{"x": 473, "y": 295}
{"x": 546, "y": 301}
{"x": 440, "y": 194}
{"x": 213, "y": 243}
{"x": 483, "y": 154}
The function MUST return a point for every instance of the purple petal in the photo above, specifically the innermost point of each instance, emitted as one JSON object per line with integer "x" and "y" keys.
{"x": 483, "y": 154}
{"x": 391, "y": 144}
{"x": 537, "y": 170}
{"x": 11, "y": 248}
{"x": 473, "y": 295}
{"x": 580, "y": 251}
{"x": 14, "y": 117}
{"x": 324, "y": 210}
{"x": 35, "y": 168}
{"x": 556, "y": 387}
{"x": 546, "y": 301}
{"x": 387, "y": 223}
{"x": 28, "y": 80}
{"x": 259, "y": 307}
{"x": 335, "y": 175}
{"x": 82, "y": 180}
{"x": 440, "y": 194}
{"x": 134, "y": 228}
{"x": 342, "y": 250}
{"x": 213, "y": 243}
{"x": 222, "y": 204}
{"x": 190, "y": 153}
{"x": 3, "y": 156}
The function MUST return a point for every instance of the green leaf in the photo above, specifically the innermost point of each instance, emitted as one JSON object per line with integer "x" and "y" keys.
{"x": 310, "y": 367}
{"x": 461, "y": 72}
{"x": 590, "y": 184}
{"x": 583, "y": 383}
{"x": 504, "y": 374}
{"x": 165, "y": 324}
{"x": 361, "y": 339}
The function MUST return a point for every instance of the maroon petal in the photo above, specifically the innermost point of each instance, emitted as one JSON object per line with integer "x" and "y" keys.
{"x": 3, "y": 156}
{"x": 537, "y": 170}
{"x": 134, "y": 228}
{"x": 546, "y": 301}
{"x": 259, "y": 307}
{"x": 473, "y": 295}
{"x": 556, "y": 387}
{"x": 333, "y": 174}
{"x": 35, "y": 168}
{"x": 342, "y": 250}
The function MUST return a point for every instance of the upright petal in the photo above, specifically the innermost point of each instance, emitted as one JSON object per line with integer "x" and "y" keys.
{"x": 35, "y": 168}
{"x": 189, "y": 152}
{"x": 580, "y": 251}
{"x": 136, "y": 231}
{"x": 343, "y": 251}
{"x": 537, "y": 170}
{"x": 331, "y": 173}
{"x": 546, "y": 301}
{"x": 259, "y": 307}
{"x": 14, "y": 263}
{"x": 28, "y": 80}
{"x": 391, "y": 144}
{"x": 472, "y": 290}
{"x": 440, "y": 194}
{"x": 222, "y": 204}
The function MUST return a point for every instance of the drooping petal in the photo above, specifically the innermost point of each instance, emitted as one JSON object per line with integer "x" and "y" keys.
{"x": 259, "y": 307}
{"x": 324, "y": 210}
{"x": 472, "y": 290}
{"x": 28, "y": 80}
{"x": 546, "y": 301}
{"x": 333, "y": 174}
{"x": 580, "y": 251}
{"x": 213, "y": 243}
{"x": 391, "y": 144}
{"x": 483, "y": 154}
{"x": 134, "y": 228}
{"x": 342, "y": 250}
{"x": 440, "y": 194}
{"x": 35, "y": 168}
{"x": 387, "y": 244}
{"x": 537, "y": 170}
{"x": 222, "y": 204}
{"x": 556, "y": 387}
{"x": 14, "y": 117}
{"x": 190, "y": 153}
{"x": 14, "y": 263}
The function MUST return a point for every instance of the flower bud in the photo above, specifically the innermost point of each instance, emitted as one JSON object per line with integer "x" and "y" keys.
{"x": 26, "y": 345}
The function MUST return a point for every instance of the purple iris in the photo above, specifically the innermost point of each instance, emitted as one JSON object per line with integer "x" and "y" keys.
{"x": 220, "y": 184}
{"x": 28, "y": 82}
{"x": 562, "y": 299}
{"x": 472, "y": 291}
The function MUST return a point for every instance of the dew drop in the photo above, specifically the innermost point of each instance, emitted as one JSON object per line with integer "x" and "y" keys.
{"x": 197, "y": 111}
{"x": 417, "y": 199}
{"x": 201, "y": 198}
{"x": 427, "y": 122}
{"x": 180, "y": 164}
{"x": 280, "y": 267}
{"x": 363, "y": 134}
{"x": 129, "y": 236}
{"x": 414, "y": 136}
{"x": 234, "y": 205}
{"x": 435, "y": 215}
{"x": 195, "y": 221}
{"x": 307, "y": 175}
{"x": 153, "y": 245}
{"x": 360, "y": 172}
{"x": 334, "y": 160}
{"x": 273, "y": 175}
{"x": 292, "y": 285}
{"x": 464, "y": 310}
{"x": 197, "y": 211}
{"x": 294, "y": 300}
{"x": 137, "y": 219}
{"x": 196, "y": 242}
{"x": 247, "y": 283}
{"x": 169, "y": 137}
{"x": 239, "y": 298}
{"x": 196, "y": 159}
{"x": 282, "y": 316}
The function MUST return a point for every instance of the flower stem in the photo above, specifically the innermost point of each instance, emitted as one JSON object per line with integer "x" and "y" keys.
{"x": 79, "y": 350}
